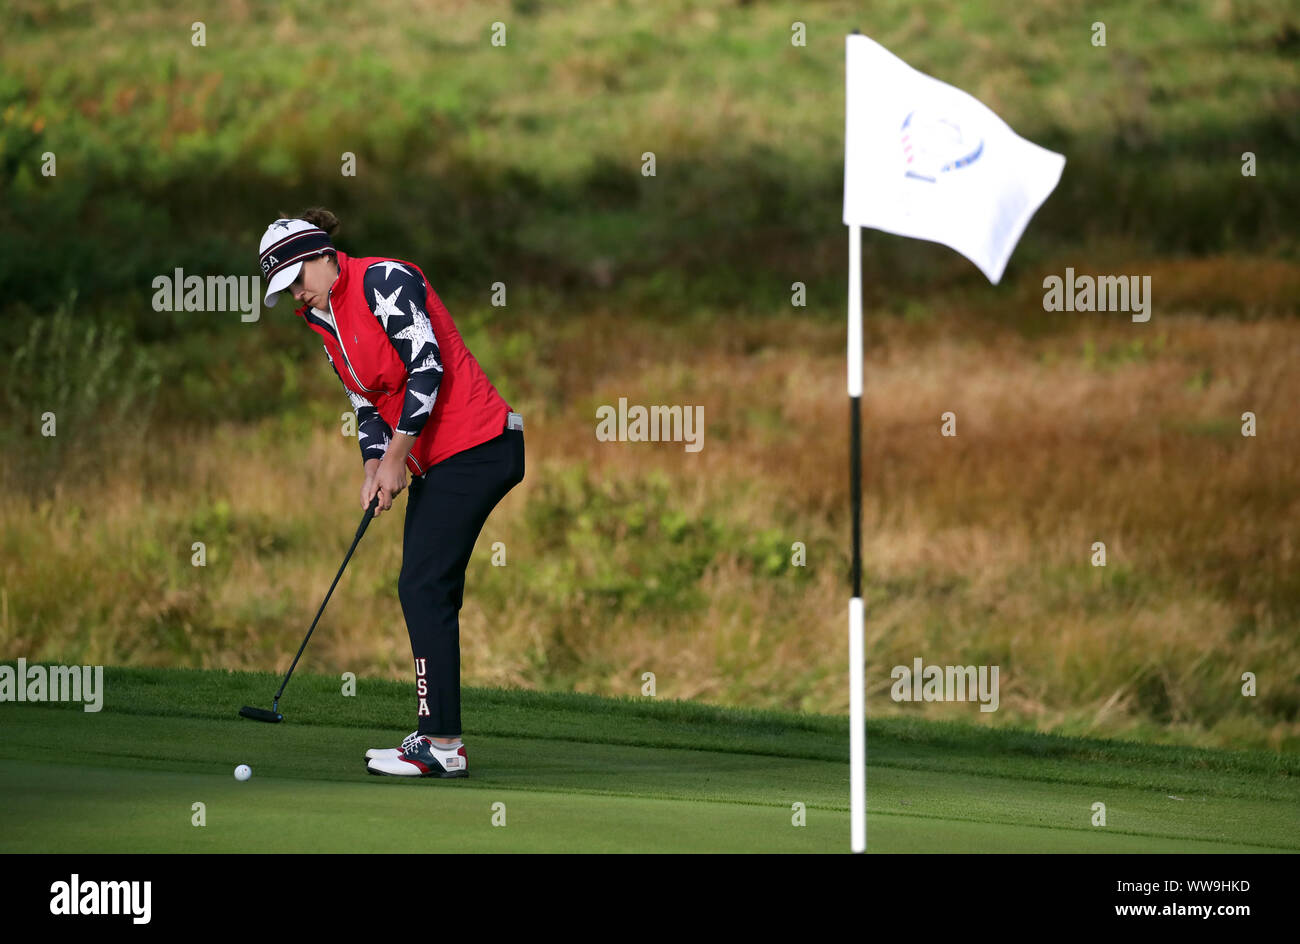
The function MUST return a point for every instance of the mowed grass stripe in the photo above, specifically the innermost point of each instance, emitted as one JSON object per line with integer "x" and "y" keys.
{"x": 62, "y": 808}
{"x": 387, "y": 707}
{"x": 166, "y": 736}
{"x": 319, "y": 753}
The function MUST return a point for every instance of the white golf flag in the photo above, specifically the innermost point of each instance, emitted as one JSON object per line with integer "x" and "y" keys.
{"x": 926, "y": 160}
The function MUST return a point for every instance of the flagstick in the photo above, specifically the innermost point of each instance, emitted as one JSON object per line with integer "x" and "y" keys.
{"x": 857, "y": 724}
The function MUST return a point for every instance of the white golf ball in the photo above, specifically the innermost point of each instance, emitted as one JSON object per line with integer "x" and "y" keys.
{"x": 243, "y": 772}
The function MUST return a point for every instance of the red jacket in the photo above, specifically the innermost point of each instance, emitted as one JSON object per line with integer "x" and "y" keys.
{"x": 468, "y": 410}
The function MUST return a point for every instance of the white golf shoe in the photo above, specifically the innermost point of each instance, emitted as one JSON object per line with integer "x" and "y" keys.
{"x": 422, "y": 757}
{"x": 392, "y": 753}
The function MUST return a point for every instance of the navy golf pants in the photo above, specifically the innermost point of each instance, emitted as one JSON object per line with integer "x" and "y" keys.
{"x": 445, "y": 511}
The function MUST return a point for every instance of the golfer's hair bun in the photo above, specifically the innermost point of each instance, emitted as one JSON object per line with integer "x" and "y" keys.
{"x": 319, "y": 216}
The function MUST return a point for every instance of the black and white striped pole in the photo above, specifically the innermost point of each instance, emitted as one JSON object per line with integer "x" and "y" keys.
{"x": 857, "y": 707}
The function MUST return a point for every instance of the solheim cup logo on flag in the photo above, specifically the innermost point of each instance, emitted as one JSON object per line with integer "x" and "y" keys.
{"x": 926, "y": 160}
{"x": 934, "y": 146}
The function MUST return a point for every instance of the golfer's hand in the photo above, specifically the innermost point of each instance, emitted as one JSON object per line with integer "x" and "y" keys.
{"x": 372, "y": 465}
{"x": 388, "y": 480}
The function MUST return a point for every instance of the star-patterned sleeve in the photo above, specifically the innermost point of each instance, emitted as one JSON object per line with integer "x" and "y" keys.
{"x": 372, "y": 432}
{"x": 396, "y": 294}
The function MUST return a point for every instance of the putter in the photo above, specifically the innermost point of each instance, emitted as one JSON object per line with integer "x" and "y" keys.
{"x": 273, "y": 716}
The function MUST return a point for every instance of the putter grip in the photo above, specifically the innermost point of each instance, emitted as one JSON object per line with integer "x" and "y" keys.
{"x": 370, "y": 513}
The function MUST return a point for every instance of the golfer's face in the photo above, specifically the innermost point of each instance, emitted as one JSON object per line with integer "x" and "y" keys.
{"x": 298, "y": 290}
{"x": 313, "y": 283}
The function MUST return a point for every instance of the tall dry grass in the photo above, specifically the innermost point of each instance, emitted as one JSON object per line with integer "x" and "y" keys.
{"x": 626, "y": 558}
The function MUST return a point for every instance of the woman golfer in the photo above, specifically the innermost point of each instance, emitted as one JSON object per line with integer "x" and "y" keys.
{"x": 424, "y": 404}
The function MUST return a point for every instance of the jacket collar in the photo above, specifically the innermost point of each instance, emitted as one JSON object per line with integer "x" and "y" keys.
{"x": 341, "y": 283}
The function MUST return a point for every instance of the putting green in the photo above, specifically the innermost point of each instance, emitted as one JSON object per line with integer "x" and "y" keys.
{"x": 575, "y": 773}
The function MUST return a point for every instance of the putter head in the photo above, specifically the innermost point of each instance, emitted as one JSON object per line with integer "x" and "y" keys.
{"x": 261, "y": 714}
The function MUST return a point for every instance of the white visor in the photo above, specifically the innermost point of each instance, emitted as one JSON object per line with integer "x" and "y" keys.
{"x": 280, "y": 281}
